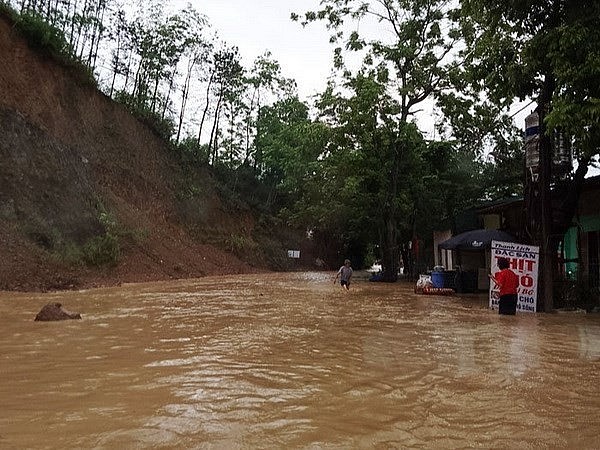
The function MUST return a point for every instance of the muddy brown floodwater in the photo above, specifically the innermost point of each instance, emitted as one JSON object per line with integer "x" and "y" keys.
{"x": 292, "y": 361}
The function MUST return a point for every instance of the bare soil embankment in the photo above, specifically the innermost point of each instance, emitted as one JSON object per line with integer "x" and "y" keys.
{"x": 75, "y": 165}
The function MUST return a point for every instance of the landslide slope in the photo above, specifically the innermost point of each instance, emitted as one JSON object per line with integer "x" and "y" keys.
{"x": 78, "y": 172}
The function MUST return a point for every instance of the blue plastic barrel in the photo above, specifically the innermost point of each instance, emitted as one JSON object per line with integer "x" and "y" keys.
{"x": 437, "y": 279}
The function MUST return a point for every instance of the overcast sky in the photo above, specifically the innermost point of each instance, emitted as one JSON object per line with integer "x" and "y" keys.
{"x": 255, "y": 26}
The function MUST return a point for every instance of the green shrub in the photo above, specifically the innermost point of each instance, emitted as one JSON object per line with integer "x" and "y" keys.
{"x": 236, "y": 243}
{"x": 7, "y": 11}
{"x": 42, "y": 36}
{"x": 70, "y": 254}
{"x": 162, "y": 127}
{"x": 102, "y": 251}
{"x": 48, "y": 40}
{"x": 192, "y": 153}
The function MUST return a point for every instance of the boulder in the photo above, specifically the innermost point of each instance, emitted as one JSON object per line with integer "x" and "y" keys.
{"x": 55, "y": 311}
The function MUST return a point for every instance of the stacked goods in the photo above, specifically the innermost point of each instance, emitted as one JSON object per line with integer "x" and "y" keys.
{"x": 423, "y": 282}
{"x": 437, "y": 291}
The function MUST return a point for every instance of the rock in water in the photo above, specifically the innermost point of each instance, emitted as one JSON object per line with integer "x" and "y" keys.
{"x": 55, "y": 311}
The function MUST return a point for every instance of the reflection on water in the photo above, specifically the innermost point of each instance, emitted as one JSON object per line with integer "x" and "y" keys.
{"x": 291, "y": 361}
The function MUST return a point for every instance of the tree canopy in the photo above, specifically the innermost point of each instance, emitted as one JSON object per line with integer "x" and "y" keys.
{"x": 353, "y": 168}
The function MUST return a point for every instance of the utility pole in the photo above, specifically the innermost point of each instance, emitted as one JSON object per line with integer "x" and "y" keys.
{"x": 545, "y": 149}
{"x": 538, "y": 200}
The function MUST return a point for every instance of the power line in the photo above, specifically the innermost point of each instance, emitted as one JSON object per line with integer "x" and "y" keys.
{"x": 526, "y": 106}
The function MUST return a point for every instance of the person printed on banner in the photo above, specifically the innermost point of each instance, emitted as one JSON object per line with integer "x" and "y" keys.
{"x": 508, "y": 284}
{"x": 345, "y": 274}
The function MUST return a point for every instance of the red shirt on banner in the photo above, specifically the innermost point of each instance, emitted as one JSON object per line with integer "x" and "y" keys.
{"x": 508, "y": 282}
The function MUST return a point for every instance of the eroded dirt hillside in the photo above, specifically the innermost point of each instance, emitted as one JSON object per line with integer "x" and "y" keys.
{"x": 73, "y": 162}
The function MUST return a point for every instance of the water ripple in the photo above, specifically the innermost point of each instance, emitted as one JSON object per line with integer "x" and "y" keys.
{"x": 291, "y": 361}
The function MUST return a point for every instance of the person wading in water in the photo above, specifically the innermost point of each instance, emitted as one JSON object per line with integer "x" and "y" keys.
{"x": 345, "y": 273}
{"x": 508, "y": 283}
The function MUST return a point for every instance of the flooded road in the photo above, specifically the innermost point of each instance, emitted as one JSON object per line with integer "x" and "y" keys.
{"x": 292, "y": 361}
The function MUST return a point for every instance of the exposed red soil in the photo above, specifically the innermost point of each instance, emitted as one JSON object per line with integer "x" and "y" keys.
{"x": 65, "y": 149}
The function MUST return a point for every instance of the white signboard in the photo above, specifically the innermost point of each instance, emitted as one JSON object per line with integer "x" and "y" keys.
{"x": 293, "y": 253}
{"x": 524, "y": 261}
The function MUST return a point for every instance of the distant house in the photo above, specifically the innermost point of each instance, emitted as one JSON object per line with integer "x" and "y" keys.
{"x": 580, "y": 255}
{"x": 473, "y": 259}
{"x": 581, "y": 252}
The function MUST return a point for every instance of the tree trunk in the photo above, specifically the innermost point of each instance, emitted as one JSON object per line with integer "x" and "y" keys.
{"x": 389, "y": 250}
{"x": 184, "y": 96}
{"x": 248, "y": 123}
{"x": 168, "y": 96}
{"x": 206, "y": 106}
{"x": 546, "y": 291}
{"x": 117, "y": 53}
{"x": 212, "y": 143}
{"x": 389, "y": 247}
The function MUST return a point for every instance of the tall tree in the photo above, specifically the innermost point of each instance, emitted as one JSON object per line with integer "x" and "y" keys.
{"x": 549, "y": 51}
{"x": 264, "y": 79}
{"x": 118, "y": 34}
{"x": 227, "y": 73}
{"x": 407, "y": 69}
{"x": 197, "y": 50}
{"x": 158, "y": 42}
{"x": 291, "y": 144}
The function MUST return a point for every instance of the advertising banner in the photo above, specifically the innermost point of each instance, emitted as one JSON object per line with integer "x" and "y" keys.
{"x": 524, "y": 261}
